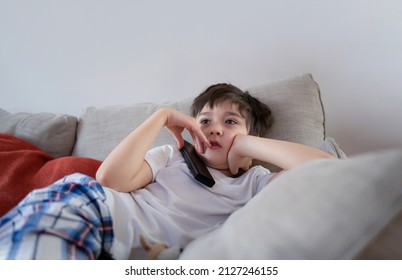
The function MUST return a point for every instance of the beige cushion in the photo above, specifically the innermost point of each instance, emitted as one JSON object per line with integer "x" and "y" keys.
{"x": 54, "y": 134}
{"x": 324, "y": 209}
{"x": 295, "y": 103}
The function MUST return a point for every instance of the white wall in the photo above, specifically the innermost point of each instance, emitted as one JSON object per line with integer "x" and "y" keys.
{"x": 62, "y": 56}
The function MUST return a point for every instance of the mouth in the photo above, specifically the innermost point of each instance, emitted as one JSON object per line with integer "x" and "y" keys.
{"x": 215, "y": 145}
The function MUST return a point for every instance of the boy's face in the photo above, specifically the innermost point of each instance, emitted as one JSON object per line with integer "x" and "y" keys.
{"x": 220, "y": 124}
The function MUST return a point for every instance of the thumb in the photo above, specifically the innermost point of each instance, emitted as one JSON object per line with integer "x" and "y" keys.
{"x": 234, "y": 169}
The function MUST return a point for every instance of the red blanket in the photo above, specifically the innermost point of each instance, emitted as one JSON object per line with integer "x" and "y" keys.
{"x": 24, "y": 167}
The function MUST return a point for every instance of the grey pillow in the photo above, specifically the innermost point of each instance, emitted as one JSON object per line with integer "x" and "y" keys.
{"x": 324, "y": 209}
{"x": 54, "y": 134}
{"x": 295, "y": 103}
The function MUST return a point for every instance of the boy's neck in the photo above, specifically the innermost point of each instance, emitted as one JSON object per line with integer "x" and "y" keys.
{"x": 227, "y": 172}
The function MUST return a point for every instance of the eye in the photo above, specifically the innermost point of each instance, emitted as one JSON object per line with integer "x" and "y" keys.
{"x": 231, "y": 121}
{"x": 204, "y": 121}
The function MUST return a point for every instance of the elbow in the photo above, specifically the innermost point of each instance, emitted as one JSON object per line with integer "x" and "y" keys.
{"x": 108, "y": 179}
{"x": 104, "y": 176}
{"x": 101, "y": 177}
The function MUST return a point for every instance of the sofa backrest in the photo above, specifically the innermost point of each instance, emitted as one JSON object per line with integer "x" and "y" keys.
{"x": 295, "y": 103}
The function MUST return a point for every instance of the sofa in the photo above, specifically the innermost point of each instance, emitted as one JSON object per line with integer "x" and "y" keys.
{"x": 343, "y": 208}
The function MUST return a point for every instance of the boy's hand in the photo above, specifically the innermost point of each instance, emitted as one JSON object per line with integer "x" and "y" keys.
{"x": 177, "y": 121}
{"x": 236, "y": 158}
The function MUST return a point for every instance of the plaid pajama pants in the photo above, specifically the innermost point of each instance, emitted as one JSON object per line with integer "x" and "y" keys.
{"x": 66, "y": 220}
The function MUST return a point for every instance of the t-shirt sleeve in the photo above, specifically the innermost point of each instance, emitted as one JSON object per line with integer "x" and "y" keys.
{"x": 263, "y": 178}
{"x": 157, "y": 158}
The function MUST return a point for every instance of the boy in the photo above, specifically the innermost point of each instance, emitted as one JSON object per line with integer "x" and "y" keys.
{"x": 151, "y": 193}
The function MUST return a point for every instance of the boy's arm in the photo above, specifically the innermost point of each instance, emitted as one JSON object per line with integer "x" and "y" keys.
{"x": 125, "y": 169}
{"x": 283, "y": 154}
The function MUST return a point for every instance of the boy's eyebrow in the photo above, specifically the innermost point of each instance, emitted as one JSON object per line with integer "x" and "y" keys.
{"x": 228, "y": 113}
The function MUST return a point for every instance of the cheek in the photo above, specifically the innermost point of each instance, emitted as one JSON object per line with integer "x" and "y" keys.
{"x": 242, "y": 131}
{"x": 246, "y": 129}
{"x": 204, "y": 130}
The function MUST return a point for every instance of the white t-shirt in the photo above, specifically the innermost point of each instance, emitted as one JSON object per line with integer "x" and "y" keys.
{"x": 175, "y": 208}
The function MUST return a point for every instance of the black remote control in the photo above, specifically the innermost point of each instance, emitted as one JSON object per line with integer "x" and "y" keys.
{"x": 196, "y": 165}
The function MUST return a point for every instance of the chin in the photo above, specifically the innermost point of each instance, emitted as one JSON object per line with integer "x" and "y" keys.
{"x": 212, "y": 162}
{"x": 216, "y": 164}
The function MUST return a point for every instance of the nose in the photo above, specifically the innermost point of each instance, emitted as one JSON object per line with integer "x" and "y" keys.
{"x": 216, "y": 130}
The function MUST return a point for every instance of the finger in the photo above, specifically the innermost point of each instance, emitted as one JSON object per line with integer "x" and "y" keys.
{"x": 200, "y": 140}
{"x": 197, "y": 143}
{"x": 247, "y": 164}
{"x": 204, "y": 143}
{"x": 176, "y": 133}
{"x": 234, "y": 171}
{"x": 179, "y": 140}
{"x": 199, "y": 146}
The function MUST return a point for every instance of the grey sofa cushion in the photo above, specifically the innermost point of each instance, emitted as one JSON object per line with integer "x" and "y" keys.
{"x": 324, "y": 209}
{"x": 295, "y": 103}
{"x": 54, "y": 134}
{"x": 101, "y": 129}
